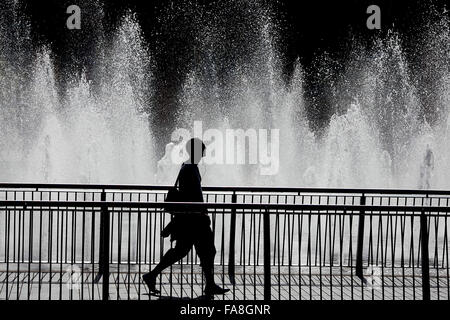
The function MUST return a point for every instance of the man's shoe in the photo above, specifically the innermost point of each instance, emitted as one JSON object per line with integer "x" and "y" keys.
{"x": 150, "y": 281}
{"x": 215, "y": 289}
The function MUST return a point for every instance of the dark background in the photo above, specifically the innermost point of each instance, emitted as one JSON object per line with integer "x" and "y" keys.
{"x": 306, "y": 27}
{"x": 305, "y": 30}
{"x": 310, "y": 25}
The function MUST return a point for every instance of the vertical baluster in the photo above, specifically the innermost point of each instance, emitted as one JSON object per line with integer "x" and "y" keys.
{"x": 267, "y": 273}
{"x": 425, "y": 256}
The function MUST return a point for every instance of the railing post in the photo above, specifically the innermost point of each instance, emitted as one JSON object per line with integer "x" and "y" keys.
{"x": 360, "y": 244}
{"x": 101, "y": 262}
{"x": 267, "y": 274}
{"x": 425, "y": 256}
{"x": 231, "y": 254}
{"x": 104, "y": 248}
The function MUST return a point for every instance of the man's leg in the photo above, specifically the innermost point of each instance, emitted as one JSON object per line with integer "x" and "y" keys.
{"x": 206, "y": 251}
{"x": 173, "y": 255}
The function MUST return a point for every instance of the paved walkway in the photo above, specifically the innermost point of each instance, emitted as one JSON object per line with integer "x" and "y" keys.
{"x": 293, "y": 284}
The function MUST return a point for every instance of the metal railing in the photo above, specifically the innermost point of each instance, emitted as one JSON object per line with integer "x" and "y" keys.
{"x": 272, "y": 243}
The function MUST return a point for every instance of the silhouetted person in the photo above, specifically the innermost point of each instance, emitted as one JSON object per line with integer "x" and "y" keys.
{"x": 426, "y": 169}
{"x": 190, "y": 228}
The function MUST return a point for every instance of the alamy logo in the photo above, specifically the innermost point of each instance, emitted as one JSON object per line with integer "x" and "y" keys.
{"x": 374, "y": 20}
{"x": 73, "y": 280}
{"x": 373, "y": 277}
{"x": 232, "y": 146}
{"x": 74, "y": 20}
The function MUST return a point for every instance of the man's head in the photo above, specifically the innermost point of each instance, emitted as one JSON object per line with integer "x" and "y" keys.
{"x": 196, "y": 150}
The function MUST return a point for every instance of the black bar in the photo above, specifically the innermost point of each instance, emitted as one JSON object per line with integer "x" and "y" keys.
{"x": 231, "y": 254}
{"x": 37, "y": 186}
{"x": 101, "y": 255}
{"x": 105, "y": 244}
{"x": 267, "y": 275}
{"x": 425, "y": 257}
{"x": 201, "y": 205}
{"x": 360, "y": 244}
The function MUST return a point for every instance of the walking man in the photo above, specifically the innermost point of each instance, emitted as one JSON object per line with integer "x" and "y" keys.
{"x": 190, "y": 228}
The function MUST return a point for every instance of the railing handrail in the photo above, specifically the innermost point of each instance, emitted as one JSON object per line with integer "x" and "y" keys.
{"x": 186, "y": 206}
{"x": 231, "y": 189}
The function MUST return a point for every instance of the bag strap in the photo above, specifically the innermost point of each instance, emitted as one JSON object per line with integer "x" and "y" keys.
{"x": 178, "y": 177}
